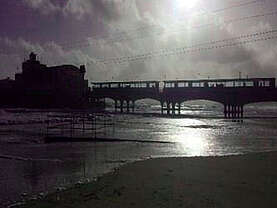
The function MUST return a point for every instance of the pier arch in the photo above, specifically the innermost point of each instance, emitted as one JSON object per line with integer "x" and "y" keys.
{"x": 147, "y": 104}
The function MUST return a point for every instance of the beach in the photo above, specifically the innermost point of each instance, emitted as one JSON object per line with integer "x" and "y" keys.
{"x": 226, "y": 181}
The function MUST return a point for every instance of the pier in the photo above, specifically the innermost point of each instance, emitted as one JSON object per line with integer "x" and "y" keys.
{"x": 233, "y": 94}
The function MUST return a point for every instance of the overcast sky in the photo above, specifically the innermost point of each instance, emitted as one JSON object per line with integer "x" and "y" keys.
{"x": 89, "y": 31}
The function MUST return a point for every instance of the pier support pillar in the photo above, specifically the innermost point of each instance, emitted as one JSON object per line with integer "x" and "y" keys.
{"x": 115, "y": 106}
{"x": 168, "y": 108}
{"x": 228, "y": 111}
{"x": 128, "y": 105}
{"x": 179, "y": 108}
{"x": 241, "y": 112}
{"x": 133, "y": 106}
{"x": 162, "y": 107}
{"x": 235, "y": 111}
{"x": 121, "y": 106}
{"x": 238, "y": 111}
{"x": 173, "y": 108}
{"x": 225, "y": 111}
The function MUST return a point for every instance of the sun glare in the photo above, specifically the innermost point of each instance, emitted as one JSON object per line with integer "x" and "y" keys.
{"x": 186, "y": 4}
{"x": 193, "y": 143}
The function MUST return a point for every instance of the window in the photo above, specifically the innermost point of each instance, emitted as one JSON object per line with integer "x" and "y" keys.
{"x": 169, "y": 85}
{"x": 181, "y": 84}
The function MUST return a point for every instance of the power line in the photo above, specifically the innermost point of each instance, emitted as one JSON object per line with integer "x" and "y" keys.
{"x": 208, "y": 43}
{"x": 241, "y": 40}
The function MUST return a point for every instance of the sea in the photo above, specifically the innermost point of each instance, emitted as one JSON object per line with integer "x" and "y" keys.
{"x": 31, "y": 168}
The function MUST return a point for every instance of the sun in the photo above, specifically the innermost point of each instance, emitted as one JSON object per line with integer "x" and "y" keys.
{"x": 185, "y": 4}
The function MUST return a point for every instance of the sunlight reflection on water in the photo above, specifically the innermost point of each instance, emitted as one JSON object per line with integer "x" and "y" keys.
{"x": 194, "y": 144}
{"x": 192, "y": 141}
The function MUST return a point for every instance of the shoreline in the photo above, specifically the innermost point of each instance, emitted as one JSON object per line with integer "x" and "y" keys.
{"x": 248, "y": 180}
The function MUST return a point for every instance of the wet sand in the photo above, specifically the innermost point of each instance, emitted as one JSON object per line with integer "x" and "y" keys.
{"x": 228, "y": 181}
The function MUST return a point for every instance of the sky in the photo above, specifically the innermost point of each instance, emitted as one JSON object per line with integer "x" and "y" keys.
{"x": 142, "y": 39}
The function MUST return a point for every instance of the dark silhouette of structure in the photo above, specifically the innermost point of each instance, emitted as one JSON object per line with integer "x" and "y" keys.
{"x": 232, "y": 93}
{"x": 39, "y": 86}
{"x": 7, "y": 92}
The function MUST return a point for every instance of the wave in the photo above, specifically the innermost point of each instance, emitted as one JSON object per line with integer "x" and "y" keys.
{"x": 12, "y": 157}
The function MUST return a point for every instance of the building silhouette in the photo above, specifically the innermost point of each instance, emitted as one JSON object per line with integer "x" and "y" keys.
{"x": 40, "y": 86}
